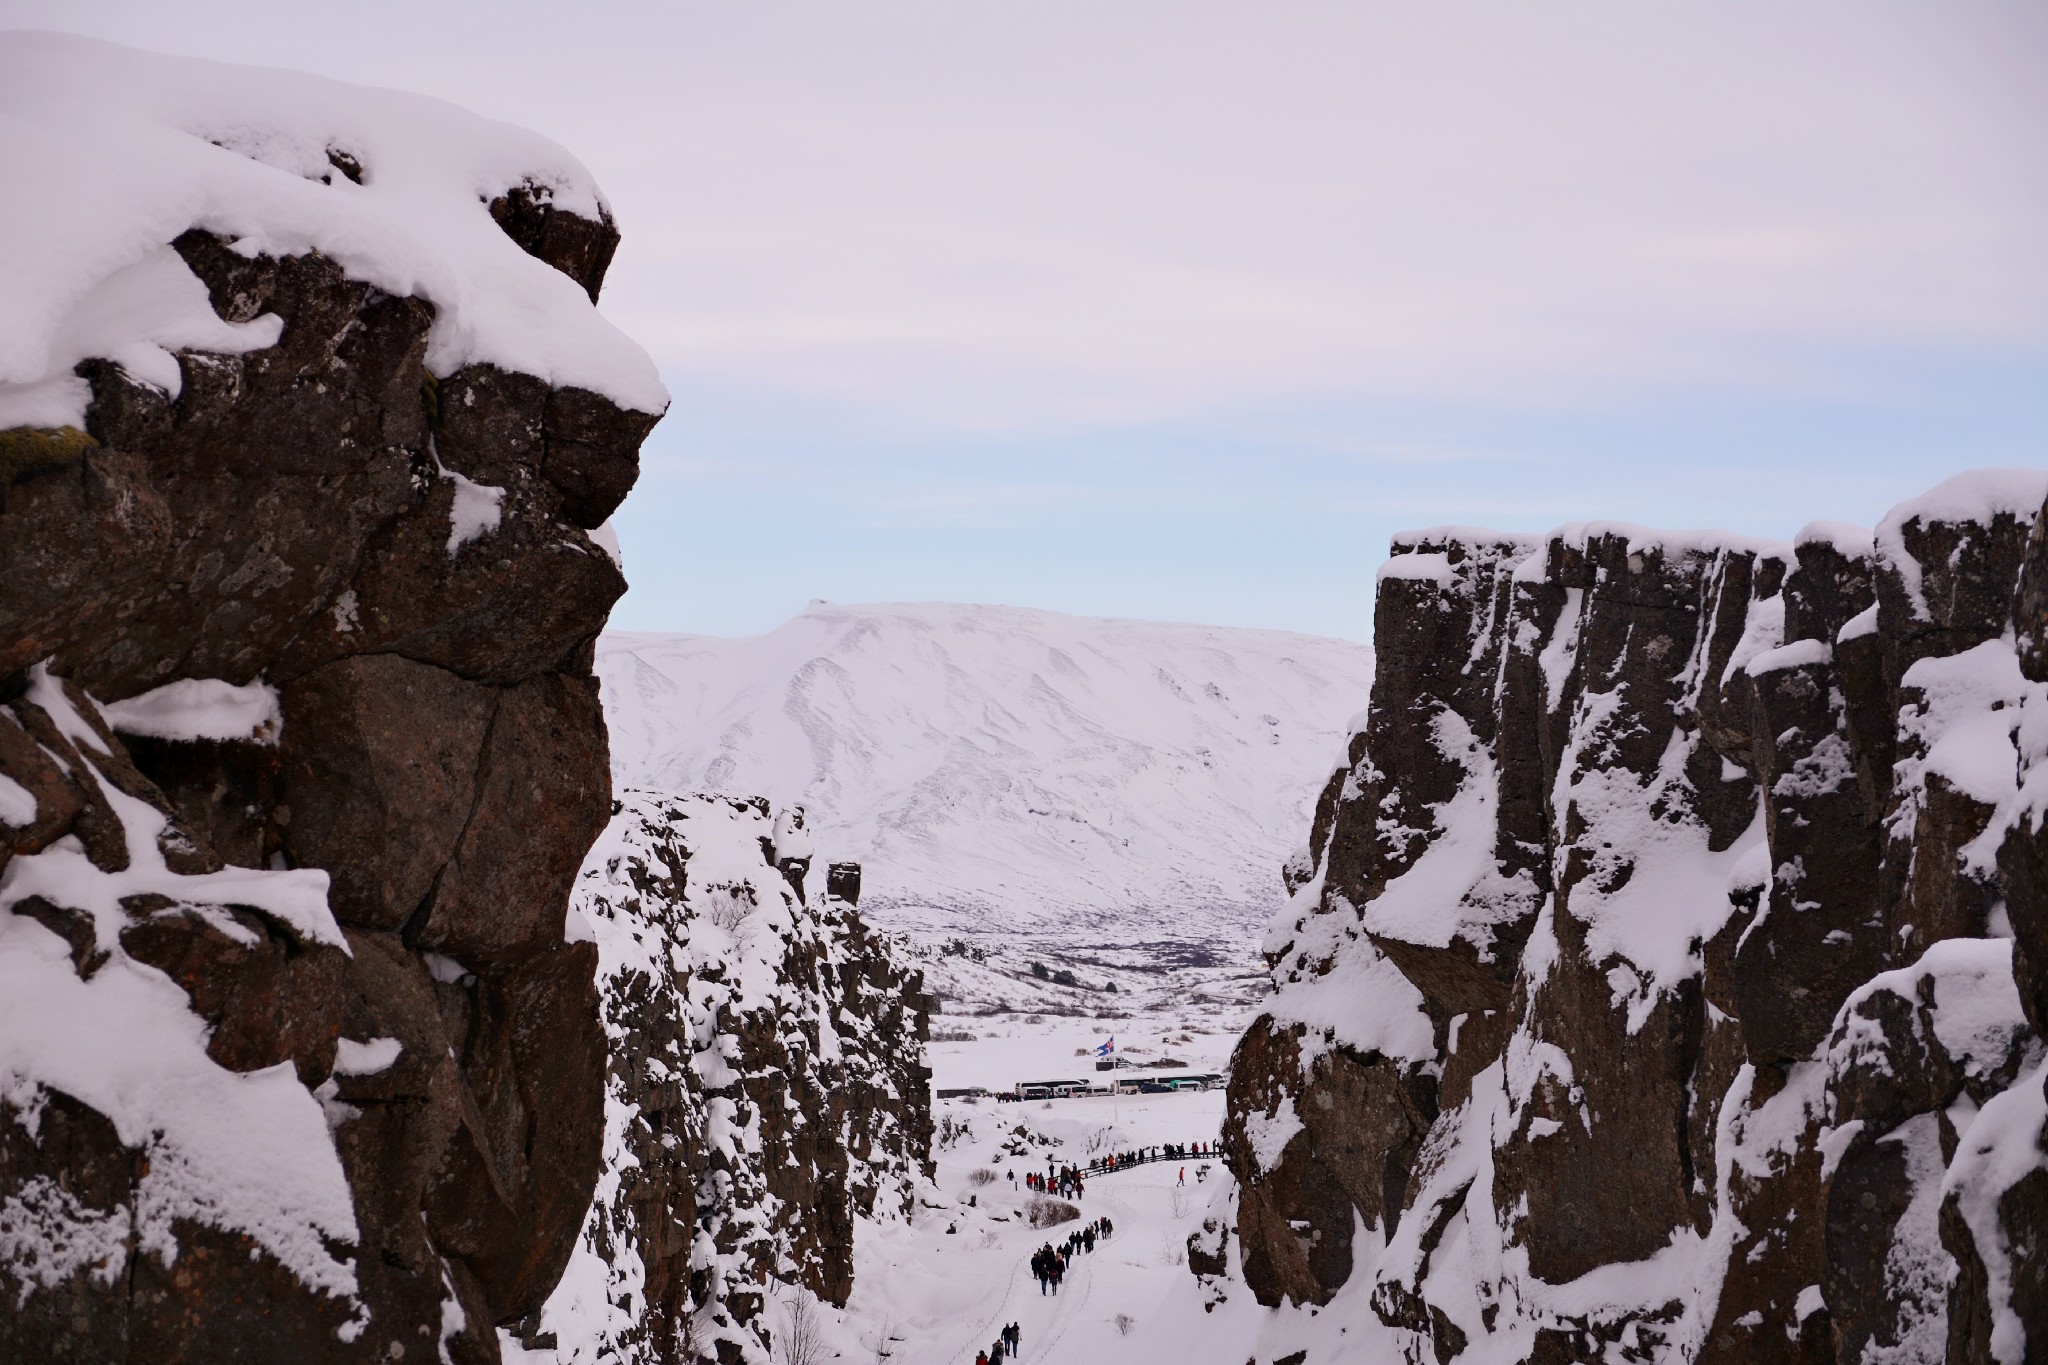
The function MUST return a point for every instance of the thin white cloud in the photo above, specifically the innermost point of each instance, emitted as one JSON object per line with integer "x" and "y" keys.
{"x": 1001, "y": 216}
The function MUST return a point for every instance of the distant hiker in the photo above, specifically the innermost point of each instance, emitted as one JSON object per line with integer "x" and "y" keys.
{"x": 981, "y": 1358}
{"x": 1016, "y": 1335}
{"x": 996, "y": 1352}
{"x": 1183, "y": 1175}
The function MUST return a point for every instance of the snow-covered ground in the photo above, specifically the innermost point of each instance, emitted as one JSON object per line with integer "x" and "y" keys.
{"x": 939, "y": 1288}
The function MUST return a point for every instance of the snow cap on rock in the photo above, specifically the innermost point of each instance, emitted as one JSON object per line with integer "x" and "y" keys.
{"x": 110, "y": 153}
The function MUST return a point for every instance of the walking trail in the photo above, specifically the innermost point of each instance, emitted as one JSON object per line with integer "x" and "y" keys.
{"x": 1043, "y": 1319}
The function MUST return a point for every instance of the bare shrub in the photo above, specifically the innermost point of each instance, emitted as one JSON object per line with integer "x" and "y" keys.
{"x": 726, "y": 906}
{"x": 803, "y": 1332}
{"x": 1124, "y": 1323}
{"x": 1172, "y": 1252}
{"x": 952, "y": 1035}
{"x": 1044, "y": 1212}
{"x": 1177, "y": 1200}
{"x": 981, "y": 1175}
{"x": 883, "y": 1342}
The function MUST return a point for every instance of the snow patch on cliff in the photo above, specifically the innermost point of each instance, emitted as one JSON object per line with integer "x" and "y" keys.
{"x": 247, "y": 1151}
{"x": 201, "y": 708}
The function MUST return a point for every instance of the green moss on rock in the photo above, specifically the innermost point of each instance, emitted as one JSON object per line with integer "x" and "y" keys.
{"x": 28, "y": 451}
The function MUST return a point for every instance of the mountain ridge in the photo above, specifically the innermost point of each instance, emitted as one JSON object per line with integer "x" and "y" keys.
{"x": 999, "y": 767}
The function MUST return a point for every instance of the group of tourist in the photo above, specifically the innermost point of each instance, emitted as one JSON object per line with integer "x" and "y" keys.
{"x": 1007, "y": 1346}
{"x": 1168, "y": 1151}
{"x": 1049, "y": 1262}
{"x": 1065, "y": 1182}
{"x": 1049, "y": 1268}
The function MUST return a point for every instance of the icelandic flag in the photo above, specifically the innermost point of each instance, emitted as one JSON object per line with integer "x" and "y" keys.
{"x": 1106, "y": 1048}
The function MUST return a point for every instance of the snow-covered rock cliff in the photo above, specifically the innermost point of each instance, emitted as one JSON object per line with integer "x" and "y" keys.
{"x": 307, "y": 423}
{"x": 1667, "y": 973}
{"x": 765, "y": 1087}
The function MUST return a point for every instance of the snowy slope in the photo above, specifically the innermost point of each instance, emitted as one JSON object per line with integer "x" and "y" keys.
{"x": 999, "y": 768}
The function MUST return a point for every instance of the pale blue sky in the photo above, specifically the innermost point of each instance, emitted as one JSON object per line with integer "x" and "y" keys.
{"x": 1178, "y": 310}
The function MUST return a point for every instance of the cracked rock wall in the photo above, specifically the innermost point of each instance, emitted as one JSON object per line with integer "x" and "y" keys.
{"x": 394, "y": 571}
{"x": 1666, "y": 975}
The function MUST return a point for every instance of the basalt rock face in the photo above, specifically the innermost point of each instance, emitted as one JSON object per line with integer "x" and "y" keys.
{"x": 348, "y": 923}
{"x": 765, "y": 1088}
{"x": 1662, "y": 978}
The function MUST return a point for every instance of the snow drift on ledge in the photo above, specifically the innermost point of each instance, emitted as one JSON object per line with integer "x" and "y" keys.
{"x": 108, "y": 153}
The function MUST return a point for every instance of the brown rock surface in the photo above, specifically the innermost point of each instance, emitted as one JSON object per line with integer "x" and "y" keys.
{"x": 1751, "y": 1070}
{"x": 441, "y": 757}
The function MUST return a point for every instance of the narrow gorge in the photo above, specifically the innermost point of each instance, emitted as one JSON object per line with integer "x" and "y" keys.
{"x": 1667, "y": 972}
{"x": 1664, "y": 977}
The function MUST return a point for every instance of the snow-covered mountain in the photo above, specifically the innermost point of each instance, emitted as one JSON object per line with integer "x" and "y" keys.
{"x": 1004, "y": 769}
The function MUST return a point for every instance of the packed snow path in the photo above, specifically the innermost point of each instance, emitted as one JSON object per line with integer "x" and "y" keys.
{"x": 1043, "y": 1318}
{"x": 939, "y": 1289}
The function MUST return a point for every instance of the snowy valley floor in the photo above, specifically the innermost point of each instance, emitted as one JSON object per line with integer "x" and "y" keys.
{"x": 938, "y": 1289}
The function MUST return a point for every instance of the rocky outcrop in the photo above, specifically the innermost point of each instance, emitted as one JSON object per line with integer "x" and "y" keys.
{"x": 297, "y": 1062}
{"x": 1662, "y": 979}
{"x": 765, "y": 1088}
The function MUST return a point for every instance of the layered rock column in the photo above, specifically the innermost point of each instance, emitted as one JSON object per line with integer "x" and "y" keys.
{"x": 404, "y": 561}
{"x": 1683, "y": 895}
